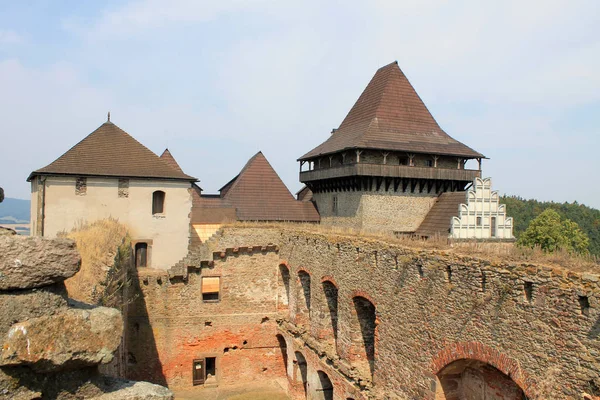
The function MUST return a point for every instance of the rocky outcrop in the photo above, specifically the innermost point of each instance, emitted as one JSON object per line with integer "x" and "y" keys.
{"x": 80, "y": 338}
{"x": 49, "y": 349}
{"x": 30, "y": 262}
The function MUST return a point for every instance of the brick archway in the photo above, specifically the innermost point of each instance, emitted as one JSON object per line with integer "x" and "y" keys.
{"x": 480, "y": 352}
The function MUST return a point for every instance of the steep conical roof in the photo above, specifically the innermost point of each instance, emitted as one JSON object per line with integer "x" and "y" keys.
{"x": 110, "y": 151}
{"x": 390, "y": 115}
{"x": 167, "y": 157}
{"x": 259, "y": 194}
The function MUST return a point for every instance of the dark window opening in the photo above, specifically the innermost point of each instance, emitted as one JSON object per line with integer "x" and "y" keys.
{"x": 284, "y": 288}
{"x": 493, "y": 227}
{"x": 325, "y": 386}
{"x": 334, "y": 205}
{"x": 449, "y": 273}
{"x": 305, "y": 290}
{"x": 420, "y": 270}
{"x": 584, "y": 305}
{"x": 365, "y": 312}
{"x": 211, "y": 286}
{"x": 141, "y": 255}
{"x": 211, "y": 368}
{"x": 429, "y": 163}
{"x": 331, "y": 295}
{"x": 483, "y": 282}
{"x": 528, "y": 289}
{"x": 158, "y": 202}
{"x": 478, "y": 221}
{"x": 402, "y": 160}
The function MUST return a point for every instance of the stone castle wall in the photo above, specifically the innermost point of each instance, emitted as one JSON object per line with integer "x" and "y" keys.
{"x": 518, "y": 326}
{"x": 383, "y": 211}
{"x": 170, "y": 325}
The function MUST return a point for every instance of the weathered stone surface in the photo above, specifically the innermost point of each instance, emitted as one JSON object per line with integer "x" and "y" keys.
{"x": 22, "y": 383}
{"x": 129, "y": 390}
{"x": 30, "y": 262}
{"x": 21, "y": 305}
{"x": 70, "y": 339}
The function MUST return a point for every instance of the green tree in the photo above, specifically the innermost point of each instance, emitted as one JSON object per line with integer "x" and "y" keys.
{"x": 549, "y": 231}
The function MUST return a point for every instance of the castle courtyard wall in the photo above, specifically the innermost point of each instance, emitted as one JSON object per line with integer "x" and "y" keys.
{"x": 536, "y": 325}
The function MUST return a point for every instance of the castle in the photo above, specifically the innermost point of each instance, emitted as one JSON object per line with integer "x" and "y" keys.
{"x": 333, "y": 316}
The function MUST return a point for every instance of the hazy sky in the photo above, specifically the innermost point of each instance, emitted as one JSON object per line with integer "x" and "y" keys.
{"x": 215, "y": 82}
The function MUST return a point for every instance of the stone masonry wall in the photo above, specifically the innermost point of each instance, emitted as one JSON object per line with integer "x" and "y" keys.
{"x": 537, "y": 325}
{"x": 375, "y": 211}
{"x": 170, "y": 326}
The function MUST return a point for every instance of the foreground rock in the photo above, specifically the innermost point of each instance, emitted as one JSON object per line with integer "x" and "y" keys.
{"x": 21, "y": 305}
{"x": 70, "y": 339}
{"x": 30, "y": 262}
{"x": 17, "y": 383}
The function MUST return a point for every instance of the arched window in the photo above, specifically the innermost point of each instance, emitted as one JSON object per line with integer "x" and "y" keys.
{"x": 331, "y": 296}
{"x": 303, "y": 298}
{"x": 158, "y": 202}
{"x": 364, "y": 337}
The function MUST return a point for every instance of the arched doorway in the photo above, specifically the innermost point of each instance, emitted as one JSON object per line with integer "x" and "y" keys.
{"x": 320, "y": 386}
{"x": 301, "y": 370}
{"x": 472, "y": 379}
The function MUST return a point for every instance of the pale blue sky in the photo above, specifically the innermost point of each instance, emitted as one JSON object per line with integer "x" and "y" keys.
{"x": 217, "y": 81}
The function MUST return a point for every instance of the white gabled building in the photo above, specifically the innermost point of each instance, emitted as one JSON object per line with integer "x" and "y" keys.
{"x": 110, "y": 174}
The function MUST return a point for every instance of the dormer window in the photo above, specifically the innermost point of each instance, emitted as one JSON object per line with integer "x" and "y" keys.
{"x": 158, "y": 202}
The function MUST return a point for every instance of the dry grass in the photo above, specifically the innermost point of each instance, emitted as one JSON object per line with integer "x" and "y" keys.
{"x": 495, "y": 252}
{"x": 98, "y": 243}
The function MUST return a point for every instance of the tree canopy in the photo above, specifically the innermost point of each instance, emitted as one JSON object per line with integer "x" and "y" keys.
{"x": 524, "y": 211}
{"x": 549, "y": 231}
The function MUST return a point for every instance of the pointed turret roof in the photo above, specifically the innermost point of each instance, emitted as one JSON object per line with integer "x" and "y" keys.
{"x": 390, "y": 115}
{"x": 110, "y": 151}
{"x": 167, "y": 157}
{"x": 259, "y": 194}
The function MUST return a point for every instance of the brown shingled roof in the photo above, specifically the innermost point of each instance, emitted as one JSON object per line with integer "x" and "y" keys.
{"x": 110, "y": 151}
{"x": 390, "y": 115}
{"x": 170, "y": 160}
{"x": 260, "y": 195}
{"x": 439, "y": 218}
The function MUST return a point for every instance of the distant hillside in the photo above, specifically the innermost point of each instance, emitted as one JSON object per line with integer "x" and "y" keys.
{"x": 523, "y": 211}
{"x": 14, "y": 211}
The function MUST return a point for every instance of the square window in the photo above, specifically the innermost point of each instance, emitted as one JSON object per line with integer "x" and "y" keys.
{"x": 211, "y": 287}
{"x": 429, "y": 163}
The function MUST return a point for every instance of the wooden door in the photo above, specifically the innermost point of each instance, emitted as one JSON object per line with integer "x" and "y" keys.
{"x": 198, "y": 372}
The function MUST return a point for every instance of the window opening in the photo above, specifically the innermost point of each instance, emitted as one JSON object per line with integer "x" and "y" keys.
{"x": 158, "y": 202}
{"x": 334, "y": 205}
{"x": 584, "y": 305}
{"x": 141, "y": 255}
{"x": 528, "y": 289}
{"x": 429, "y": 163}
{"x": 80, "y": 186}
{"x": 211, "y": 369}
{"x": 211, "y": 288}
{"x": 493, "y": 227}
{"x": 478, "y": 222}
{"x": 123, "y": 190}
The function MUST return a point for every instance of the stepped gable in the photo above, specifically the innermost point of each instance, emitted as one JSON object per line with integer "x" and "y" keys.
{"x": 439, "y": 218}
{"x": 259, "y": 194}
{"x": 167, "y": 157}
{"x": 390, "y": 115}
{"x": 110, "y": 151}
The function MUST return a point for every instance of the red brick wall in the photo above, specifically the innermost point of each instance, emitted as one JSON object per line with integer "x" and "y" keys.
{"x": 169, "y": 325}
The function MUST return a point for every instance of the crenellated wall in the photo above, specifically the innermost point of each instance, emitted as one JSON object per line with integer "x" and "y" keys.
{"x": 444, "y": 324}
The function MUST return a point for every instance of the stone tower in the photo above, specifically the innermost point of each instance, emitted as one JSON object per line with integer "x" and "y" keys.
{"x": 385, "y": 166}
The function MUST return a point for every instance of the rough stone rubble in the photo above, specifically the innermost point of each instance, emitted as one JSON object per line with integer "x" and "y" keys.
{"x": 51, "y": 350}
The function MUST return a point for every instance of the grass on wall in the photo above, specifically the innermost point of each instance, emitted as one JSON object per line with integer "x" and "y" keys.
{"x": 105, "y": 250}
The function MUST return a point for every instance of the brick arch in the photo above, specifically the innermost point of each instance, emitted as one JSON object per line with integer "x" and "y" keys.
{"x": 480, "y": 352}
{"x": 362, "y": 293}
{"x": 303, "y": 269}
{"x": 285, "y": 263}
{"x": 329, "y": 278}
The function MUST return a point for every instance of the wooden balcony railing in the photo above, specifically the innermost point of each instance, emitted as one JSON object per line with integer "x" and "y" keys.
{"x": 395, "y": 171}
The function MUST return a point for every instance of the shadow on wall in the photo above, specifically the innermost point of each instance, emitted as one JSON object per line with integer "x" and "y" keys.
{"x": 142, "y": 360}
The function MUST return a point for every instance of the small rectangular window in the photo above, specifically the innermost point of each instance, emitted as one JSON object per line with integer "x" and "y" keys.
{"x": 80, "y": 186}
{"x": 429, "y": 163}
{"x": 211, "y": 288}
{"x": 493, "y": 227}
{"x": 478, "y": 223}
{"x": 123, "y": 188}
{"x": 334, "y": 205}
{"x": 158, "y": 202}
